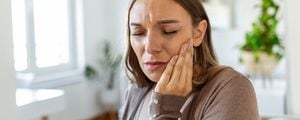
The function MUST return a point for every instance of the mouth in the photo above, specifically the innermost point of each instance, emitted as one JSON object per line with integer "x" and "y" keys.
{"x": 154, "y": 65}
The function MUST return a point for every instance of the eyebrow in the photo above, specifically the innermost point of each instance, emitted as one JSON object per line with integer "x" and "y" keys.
{"x": 159, "y": 22}
{"x": 167, "y": 21}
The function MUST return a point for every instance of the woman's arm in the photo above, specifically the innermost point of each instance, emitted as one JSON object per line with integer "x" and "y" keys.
{"x": 165, "y": 107}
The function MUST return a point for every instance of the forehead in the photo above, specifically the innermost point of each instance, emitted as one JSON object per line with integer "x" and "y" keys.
{"x": 155, "y": 10}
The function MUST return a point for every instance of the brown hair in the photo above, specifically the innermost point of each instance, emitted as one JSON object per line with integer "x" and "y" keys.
{"x": 205, "y": 64}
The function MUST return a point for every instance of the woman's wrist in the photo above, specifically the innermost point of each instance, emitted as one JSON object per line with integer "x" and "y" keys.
{"x": 166, "y": 105}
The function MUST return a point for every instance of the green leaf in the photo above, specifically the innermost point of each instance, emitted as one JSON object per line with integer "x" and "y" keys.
{"x": 263, "y": 37}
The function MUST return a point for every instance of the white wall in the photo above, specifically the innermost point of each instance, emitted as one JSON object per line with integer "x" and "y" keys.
{"x": 7, "y": 86}
{"x": 293, "y": 43}
{"x": 103, "y": 19}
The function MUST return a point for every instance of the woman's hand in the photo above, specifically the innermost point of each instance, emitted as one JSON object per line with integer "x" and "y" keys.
{"x": 177, "y": 77}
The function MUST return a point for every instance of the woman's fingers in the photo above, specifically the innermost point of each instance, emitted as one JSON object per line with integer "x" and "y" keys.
{"x": 185, "y": 79}
{"x": 189, "y": 62}
{"x": 165, "y": 78}
{"x": 175, "y": 79}
{"x": 182, "y": 80}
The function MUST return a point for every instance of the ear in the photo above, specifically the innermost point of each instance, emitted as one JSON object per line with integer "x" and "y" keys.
{"x": 199, "y": 33}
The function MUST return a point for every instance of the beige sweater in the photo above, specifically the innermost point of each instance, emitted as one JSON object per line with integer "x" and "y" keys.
{"x": 229, "y": 96}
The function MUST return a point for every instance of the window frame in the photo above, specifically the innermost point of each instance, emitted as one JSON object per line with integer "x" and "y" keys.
{"x": 74, "y": 67}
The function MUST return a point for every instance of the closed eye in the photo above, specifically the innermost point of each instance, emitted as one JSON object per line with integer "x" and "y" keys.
{"x": 170, "y": 33}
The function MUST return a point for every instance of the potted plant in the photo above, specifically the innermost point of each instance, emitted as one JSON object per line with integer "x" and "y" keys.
{"x": 110, "y": 64}
{"x": 263, "y": 48}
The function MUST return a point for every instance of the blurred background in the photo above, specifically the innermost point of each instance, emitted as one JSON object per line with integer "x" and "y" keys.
{"x": 62, "y": 59}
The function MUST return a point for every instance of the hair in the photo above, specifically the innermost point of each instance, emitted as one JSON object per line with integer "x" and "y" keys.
{"x": 205, "y": 64}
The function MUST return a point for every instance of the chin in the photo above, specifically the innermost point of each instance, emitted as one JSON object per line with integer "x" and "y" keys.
{"x": 154, "y": 76}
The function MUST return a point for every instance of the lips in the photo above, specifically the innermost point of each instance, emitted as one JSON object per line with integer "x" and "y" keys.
{"x": 151, "y": 65}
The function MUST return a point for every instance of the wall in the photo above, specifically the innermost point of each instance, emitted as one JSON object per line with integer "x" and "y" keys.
{"x": 7, "y": 86}
{"x": 103, "y": 20}
{"x": 293, "y": 30}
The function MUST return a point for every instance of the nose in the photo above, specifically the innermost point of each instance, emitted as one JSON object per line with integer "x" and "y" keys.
{"x": 153, "y": 44}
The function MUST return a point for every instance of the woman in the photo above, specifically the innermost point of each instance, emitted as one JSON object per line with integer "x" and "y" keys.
{"x": 174, "y": 68}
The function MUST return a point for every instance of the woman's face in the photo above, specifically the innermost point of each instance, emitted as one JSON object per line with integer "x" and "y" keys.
{"x": 158, "y": 28}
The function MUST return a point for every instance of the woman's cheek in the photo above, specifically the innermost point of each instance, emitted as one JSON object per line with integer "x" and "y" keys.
{"x": 174, "y": 48}
{"x": 137, "y": 48}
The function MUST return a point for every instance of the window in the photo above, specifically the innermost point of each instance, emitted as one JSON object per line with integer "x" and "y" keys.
{"x": 44, "y": 36}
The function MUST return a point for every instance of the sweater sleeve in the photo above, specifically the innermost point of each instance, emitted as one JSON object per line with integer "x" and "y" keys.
{"x": 236, "y": 100}
{"x": 165, "y": 107}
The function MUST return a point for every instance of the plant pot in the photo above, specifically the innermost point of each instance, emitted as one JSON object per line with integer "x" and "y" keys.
{"x": 265, "y": 65}
{"x": 263, "y": 68}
